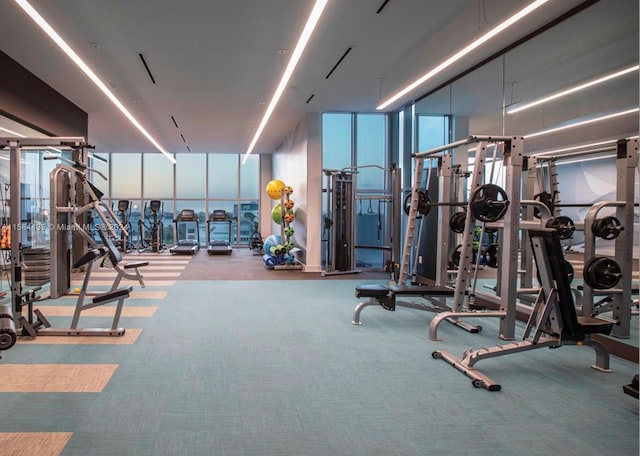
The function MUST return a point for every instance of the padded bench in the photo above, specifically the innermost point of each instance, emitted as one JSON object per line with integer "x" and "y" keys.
{"x": 386, "y": 296}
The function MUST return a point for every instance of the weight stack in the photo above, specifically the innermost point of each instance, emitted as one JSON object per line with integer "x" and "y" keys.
{"x": 37, "y": 266}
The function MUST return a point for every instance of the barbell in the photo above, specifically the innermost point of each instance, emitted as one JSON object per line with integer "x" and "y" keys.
{"x": 488, "y": 203}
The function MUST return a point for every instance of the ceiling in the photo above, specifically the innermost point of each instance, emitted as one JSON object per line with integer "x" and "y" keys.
{"x": 216, "y": 63}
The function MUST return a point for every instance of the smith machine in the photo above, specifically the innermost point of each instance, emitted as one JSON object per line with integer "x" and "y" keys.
{"x": 488, "y": 206}
{"x": 607, "y": 285}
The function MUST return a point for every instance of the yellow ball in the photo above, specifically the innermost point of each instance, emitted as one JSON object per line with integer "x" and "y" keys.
{"x": 274, "y": 189}
{"x": 76, "y": 290}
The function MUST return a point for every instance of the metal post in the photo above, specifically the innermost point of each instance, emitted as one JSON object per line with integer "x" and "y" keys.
{"x": 444, "y": 215}
{"x": 626, "y": 163}
{"x": 513, "y": 157}
{"x": 16, "y": 231}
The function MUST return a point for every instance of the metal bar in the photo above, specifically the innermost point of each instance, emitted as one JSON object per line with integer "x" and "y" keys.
{"x": 469, "y": 140}
{"x": 16, "y": 233}
{"x": 60, "y": 141}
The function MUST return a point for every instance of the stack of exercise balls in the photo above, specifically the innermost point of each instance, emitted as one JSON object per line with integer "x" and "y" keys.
{"x": 5, "y": 238}
{"x": 278, "y": 247}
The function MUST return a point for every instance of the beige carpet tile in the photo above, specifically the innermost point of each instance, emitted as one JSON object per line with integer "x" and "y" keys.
{"x": 60, "y": 378}
{"x": 145, "y": 275}
{"x": 33, "y": 443}
{"x": 129, "y": 337}
{"x": 102, "y": 311}
{"x": 108, "y": 283}
{"x": 136, "y": 294}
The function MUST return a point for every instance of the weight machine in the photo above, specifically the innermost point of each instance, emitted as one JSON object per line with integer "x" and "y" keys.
{"x": 70, "y": 188}
{"x": 608, "y": 279}
{"x": 553, "y": 321}
{"x": 340, "y": 221}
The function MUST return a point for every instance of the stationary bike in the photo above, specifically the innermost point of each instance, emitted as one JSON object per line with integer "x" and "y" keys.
{"x": 150, "y": 234}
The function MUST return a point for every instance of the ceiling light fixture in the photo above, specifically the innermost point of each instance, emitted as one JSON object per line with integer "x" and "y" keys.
{"x": 11, "y": 132}
{"x": 582, "y": 160}
{"x": 44, "y": 25}
{"x": 577, "y": 88}
{"x": 461, "y": 53}
{"x": 312, "y": 21}
{"x": 584, "y": 122}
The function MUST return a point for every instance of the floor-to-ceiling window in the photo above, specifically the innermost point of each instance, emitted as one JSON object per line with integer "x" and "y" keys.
{"x": 200, "y": 182}
{"x": 357, "y": 144}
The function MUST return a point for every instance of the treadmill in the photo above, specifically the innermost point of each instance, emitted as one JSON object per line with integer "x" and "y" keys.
{"x": 219, "y": 246}
{"x": 191, "y": 243}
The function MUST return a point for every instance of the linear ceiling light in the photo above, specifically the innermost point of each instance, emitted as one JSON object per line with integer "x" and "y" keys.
{"x": 461, "y": 53}
{"x": 11, "y": 132}
{"x": 44, "y": 25}
{"x": 577, "y": 88}
{"x": 579, "y": 124}
{"x": 312, "y": 21}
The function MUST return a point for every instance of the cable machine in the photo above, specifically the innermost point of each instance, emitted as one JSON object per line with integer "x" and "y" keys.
{"x": 340, "y": 220}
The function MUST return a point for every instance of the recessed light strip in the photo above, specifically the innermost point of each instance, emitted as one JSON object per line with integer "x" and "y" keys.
{"x": 15, "y": 133}
{"x": 44, "y": 25}
{"x": 577, "y": 88}
{"x": 461, "y": 53}
{"x": 584, "y": 122}
{"x": 312, "y": 21}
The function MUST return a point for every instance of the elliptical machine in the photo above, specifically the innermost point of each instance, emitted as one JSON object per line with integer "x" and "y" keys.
{"x": 124, "y": 213}
{"x": 150, "y": 235}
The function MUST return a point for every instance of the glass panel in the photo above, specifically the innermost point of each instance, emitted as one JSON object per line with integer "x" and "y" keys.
{"x": 371, "y": 150}
{"x": 248, "y": 220}
{"x": 126, "y": 170}
{"x": 336, "y": 141}
{"x": 190, "y": 175}
{"x": 97, "y": 180}
{"x": 158, "y": 176}
{"x": 187, "y": 230}
{"x": 223, "y": 176}
{"x": 250, "y": 178}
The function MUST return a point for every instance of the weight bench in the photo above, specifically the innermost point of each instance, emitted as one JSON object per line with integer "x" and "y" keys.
{"x": 388, "y": 298}
{"x": 553, "y": 321}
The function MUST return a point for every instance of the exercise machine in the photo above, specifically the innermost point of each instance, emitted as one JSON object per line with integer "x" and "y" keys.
{"x": 36, "y": 324}
{"x": 150, "y": 235}
{"x": 190, "y": 244}
{"x": 124, "y": 213}
{"x": 219, "y": 246}
{"x": 553, "y": 321}
{"x": 343, "y": 206}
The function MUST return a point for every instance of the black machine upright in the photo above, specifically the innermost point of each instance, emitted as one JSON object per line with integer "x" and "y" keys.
{"x": 190, "y": 243}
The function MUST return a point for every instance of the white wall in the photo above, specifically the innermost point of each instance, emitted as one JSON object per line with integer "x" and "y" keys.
{"x": 298, "y": 163}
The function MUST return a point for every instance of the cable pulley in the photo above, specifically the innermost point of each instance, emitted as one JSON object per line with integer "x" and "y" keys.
{"x": 602, "y": 273}
{"x": 563, "y": 225}
{"x": 607, "y": 227}
{"x": 489, "y": 203}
